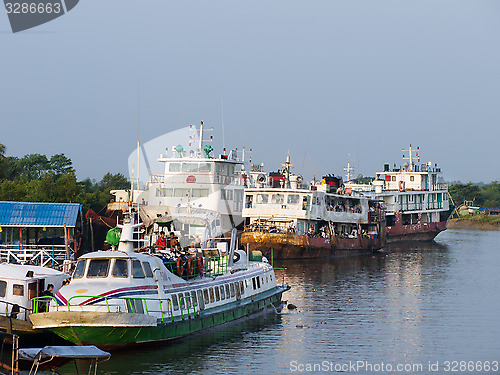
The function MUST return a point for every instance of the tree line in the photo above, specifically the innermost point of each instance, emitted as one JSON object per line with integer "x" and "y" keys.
{"x": 38, "y": 178}
{"x": 483, "y": 195}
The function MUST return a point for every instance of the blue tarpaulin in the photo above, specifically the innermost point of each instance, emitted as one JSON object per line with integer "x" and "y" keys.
{"x": 30, "y": 214}
{"x": 482, "y": 209}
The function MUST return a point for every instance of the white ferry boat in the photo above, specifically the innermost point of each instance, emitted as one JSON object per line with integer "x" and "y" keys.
{"x": 417, "y": 204}
{"x": 287, "y": 220}
{"x": 193, "y": 182}
{"x": 121, "y": 297}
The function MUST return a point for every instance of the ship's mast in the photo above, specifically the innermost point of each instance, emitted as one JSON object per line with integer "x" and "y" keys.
{"x": 411, "y": 158}
{"x": 285, "y": 169}
{"x": 349, "y": 169}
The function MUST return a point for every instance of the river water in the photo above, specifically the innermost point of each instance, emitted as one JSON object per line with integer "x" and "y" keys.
{"x": 414, "y": 309}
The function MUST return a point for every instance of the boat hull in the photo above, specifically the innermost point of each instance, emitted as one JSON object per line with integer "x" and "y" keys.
{"x": 414, "y": 232}
{"x": 103, "y": 333}
{"x": 294, "y": 246}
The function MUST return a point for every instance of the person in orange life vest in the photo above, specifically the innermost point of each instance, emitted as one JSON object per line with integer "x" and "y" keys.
{"x": 161, "y": 242}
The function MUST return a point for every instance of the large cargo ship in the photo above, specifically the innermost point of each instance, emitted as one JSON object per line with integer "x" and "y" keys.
{"x": 287, "y": 220}
{"x": 417, "y": 205}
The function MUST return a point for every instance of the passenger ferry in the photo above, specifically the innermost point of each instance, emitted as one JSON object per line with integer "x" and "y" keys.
{"x": 194, "y": 181}
{"x": 120, "y": 297}
{"x": 418, "y": 207}
{"x": 287, "y": 220}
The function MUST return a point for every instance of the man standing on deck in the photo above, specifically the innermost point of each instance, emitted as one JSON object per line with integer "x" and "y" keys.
{"x": 161, "y": 242}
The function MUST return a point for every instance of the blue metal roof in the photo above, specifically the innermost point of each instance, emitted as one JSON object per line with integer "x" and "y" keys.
{"x": 29, "y": 214}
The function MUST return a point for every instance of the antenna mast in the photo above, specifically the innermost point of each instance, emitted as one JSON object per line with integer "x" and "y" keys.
{"x": 349, "y": 169}
{"x": 411, "y": 158}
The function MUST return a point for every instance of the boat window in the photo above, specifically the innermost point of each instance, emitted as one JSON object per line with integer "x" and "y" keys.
{"x": 193, "y": 294}
{"x": 258, "y": 282}
{"x": 98, "y": 268}
{"x": 217, "y": 293}
{"x": 222, "y": 292}
{"x": 277, "y": 198}
{"x": 174, "y": 167}
{"x": 190, "y": 167}
{"x": 137, "y": 271}
{"x": 164, "y": 192}
{"x": 205, "y": 296}
{"x": 254, "y": 284}
{"x": 233, "y": 292}
{"x": 293, "y": 199}
{"x": 262, "y": 199}
{"x": 18, "y": 290}
{"x": 3, "y": 288}
{"x": 242, "y": 287}
{"x": 79, "y": 270}
{"x": 212, "y": 295}
{"x": 197, "y": 193}
{"x": 205, "y": 167}
{"x": 120, "y": 269}
{"x": 175, "y": 302}
{"x": 228, "y": 293}
{"x": 180, "y": 193}
{"x": 147, "y": 269}
{"x": 200, "y": 298}
{"x": 230, "y": 170}
{"x": 226, "y": 194}
{"x": 182, "y": 301}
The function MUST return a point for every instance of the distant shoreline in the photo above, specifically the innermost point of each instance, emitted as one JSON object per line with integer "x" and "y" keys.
{"x": 483, "y": 223}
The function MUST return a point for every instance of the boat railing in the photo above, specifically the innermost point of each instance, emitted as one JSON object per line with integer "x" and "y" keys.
{"x": 13, "y": 313}
{"x": 42, "y": 255}
{"x": 42, "y": 304}
{"x": 283, "y": 275}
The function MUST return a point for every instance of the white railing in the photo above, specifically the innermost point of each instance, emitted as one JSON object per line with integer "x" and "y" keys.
{"x": 42, "y": 255}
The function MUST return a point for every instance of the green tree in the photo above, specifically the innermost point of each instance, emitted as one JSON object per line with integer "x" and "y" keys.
{"x": 60, "y": 164}
{"x": 466, "y": 192}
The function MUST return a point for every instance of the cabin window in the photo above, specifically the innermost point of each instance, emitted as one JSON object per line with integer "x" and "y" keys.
{"x": 174, "y": 167}
{"x": 79, "y": 270}
{"x": 233, "y": 292}
{"x": 293, "y": 198}
{"x": 200, "y": 298}
{"x": 205, "y": 296}
{"x": 217, "y": 293}
{"x": 175, "y": 302}
{"x": 277, "y": 198}
{"x": 120, "y": 269}
{"x": 147, "y": 269}
{"x": 98, "y": 268}
{"x": 228, "y": 293}
{"x": 254, "y": 283}
{"x": 205, "y": 167}
{"x": 393, "y": 178}
{"x": 212, "y": 295}
{"x": 137, "y": 271}
{"x": 190, "y": 167}
{"x": 262, "y": 199}
{"x": 258, "y": 282}
{"x": 242, "y": 287}
{"x": 412, "y": 178}
{"x": 164, "y": 192}
{"x": 222, "y": 293}
{"x": 182, "y": 301}
{"x": 3, "y": 288}
{"x": 193, "y": 300}
{"x": 18, "y": 290}
{"x": 226, "y": 194}
{"x": 199, "y": 193}
{"x": 180, "y": 193}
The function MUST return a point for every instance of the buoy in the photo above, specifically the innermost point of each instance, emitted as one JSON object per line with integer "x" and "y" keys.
{"x": 291, "y": 306}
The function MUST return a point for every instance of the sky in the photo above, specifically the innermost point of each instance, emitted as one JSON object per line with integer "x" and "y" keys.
{"x": 317, "y": 79}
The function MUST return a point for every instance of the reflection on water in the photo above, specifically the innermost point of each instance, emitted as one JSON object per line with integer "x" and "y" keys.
{"x": 413, "y": 303}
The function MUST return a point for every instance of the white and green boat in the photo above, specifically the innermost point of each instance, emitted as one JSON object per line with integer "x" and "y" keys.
{"x": 120, "y": 298}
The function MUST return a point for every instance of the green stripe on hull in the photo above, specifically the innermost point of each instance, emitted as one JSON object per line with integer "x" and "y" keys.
{"x": 113, "y": 337}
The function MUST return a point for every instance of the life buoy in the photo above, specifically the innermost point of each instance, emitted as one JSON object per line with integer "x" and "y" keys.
{"x": 401, "y": 185}
{"x": 180, "y": 266}
{"x": 200, "y": 265}
{"x": 190, "y": 266}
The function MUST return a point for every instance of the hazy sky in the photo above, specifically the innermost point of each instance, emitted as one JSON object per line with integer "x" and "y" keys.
{"x": 320, "y": 79}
